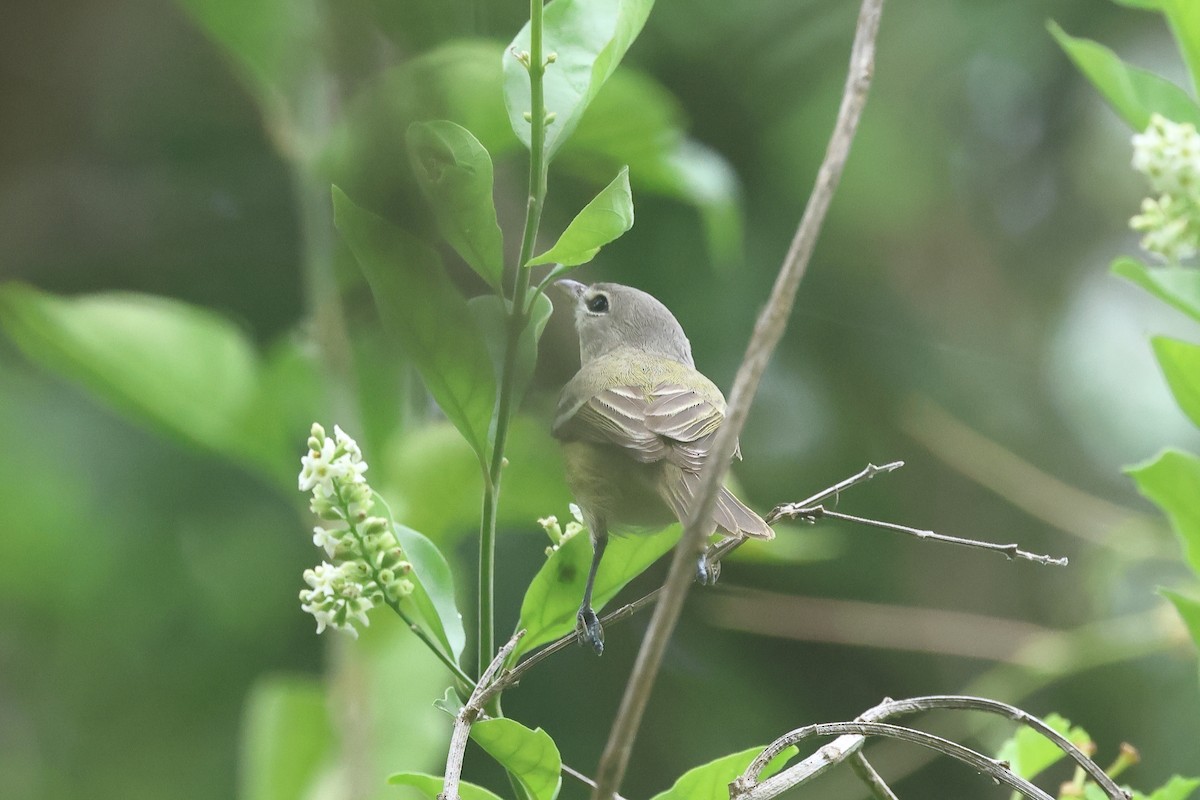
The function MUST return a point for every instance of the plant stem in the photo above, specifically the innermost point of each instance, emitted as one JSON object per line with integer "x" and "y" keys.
{"x": 518, "y": 319}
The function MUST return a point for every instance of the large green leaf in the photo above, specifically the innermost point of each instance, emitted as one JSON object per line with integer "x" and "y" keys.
{"x": 1172, "y": 481}
{"x": 1133, "y": 93}
{"x": 287, "y": 737}
{"x": 1177, "y": 286}
{"x": 460, "y": 81}
{"x": 180, "y": 368}
{"x": 433, "y": 593}
{"x": 552, "y": 599}
{"x": 1180, "y": 362}
{"x": 1177, "y": 788}
{"x": 431, "y": 786}
{"x": 711, "y": 781}
{"x": 605, "y": 218}
{"x": 1029, "y": 753}
{"x": 455, "y": 172}
{"x": 589, "y": 38}
{"x": 427, "y": 315}
{"x": 530, "y": 755}
{"x": 1189, "y": 610}
{"x": 491, "y": 316}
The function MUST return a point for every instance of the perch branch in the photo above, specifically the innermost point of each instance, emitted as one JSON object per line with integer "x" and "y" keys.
{"x": 471, "y": 711}
{"x": 767, "y": 331}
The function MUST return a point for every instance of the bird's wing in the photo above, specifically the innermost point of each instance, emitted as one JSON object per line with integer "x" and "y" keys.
{"x": 668, "y": 421}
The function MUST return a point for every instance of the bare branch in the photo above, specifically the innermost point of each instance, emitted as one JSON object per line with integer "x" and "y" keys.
{"x": 471, "y": 711}
{"x": 1011, "y": 551}
{"x": 747, "y": 786}
{"x": 777, "y": 784}
{"x": 767, "y": 331}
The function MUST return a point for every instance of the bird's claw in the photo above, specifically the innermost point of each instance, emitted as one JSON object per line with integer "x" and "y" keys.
{"x": 588, "y": 630}
{"x": 707, "y": 571}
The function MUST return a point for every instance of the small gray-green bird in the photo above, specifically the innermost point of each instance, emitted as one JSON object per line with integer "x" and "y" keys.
{"x": 636, "y": 423}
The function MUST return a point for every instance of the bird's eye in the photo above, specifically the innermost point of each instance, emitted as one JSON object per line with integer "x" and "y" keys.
{"x": 598, "y": 304}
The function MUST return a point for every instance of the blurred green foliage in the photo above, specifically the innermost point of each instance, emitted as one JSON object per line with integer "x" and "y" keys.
{"x": 149, "y": 582}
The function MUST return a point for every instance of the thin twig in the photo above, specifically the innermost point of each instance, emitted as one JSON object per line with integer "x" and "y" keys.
{"x": 867, "y": 774}
{"x": 747, "y": 787}
{"x": 467, "y": 715}
{"x": 1011, "y": 551}
{"x": 767, "y": 332}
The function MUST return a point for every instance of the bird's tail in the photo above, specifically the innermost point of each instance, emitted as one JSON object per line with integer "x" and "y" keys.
{"x": 736, "y": 517}
{"x": 730, "y": 514}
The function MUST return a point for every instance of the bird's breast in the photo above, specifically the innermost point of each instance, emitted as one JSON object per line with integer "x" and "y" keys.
{"x": 615, "y": 487}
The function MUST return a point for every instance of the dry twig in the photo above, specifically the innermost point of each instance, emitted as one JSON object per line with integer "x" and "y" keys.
{"x": 852, "y": 735}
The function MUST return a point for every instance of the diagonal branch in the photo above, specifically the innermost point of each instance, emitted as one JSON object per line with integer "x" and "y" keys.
{"x": 767, "y": 332}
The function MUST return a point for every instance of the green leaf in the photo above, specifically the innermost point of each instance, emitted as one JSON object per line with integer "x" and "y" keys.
{"x": 1180, "y": 362}
{"x": 431, "y": 786}
{"x": 433, "y": 592}
{"x": 455, "y": 172}
{"x": 589, "y": 38}
{"x": 449, "y": 702}
{"x": 1189, "y": 611}
{"x": 552, "y": 599}
{"x": 1177, "y": 788}
{"x": 491, "y": 316}
{"x": 635, "y": 121}
{"x": 182, "y": 369}
{"x": 460, "y": 81}
{"x": 1184, "y": 19}
{"x": 530, "y": 755}
{"x": 427, "y": 315}
{"x": 436, "y": 482}
{"x": 601, "y": 221}
{"x": 286, "y": 737}
{"x": 1132, "y": 92}
{"x": 1177, "y": 286}
{"x": 1029, "y": 752}
{"x": 1172, "y": 481}
{"x": 711, "y": 781}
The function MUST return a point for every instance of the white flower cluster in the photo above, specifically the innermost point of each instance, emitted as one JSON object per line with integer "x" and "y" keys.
{"x": 556, "y": 533}
{"x": 1168, "y": 154}
{"x": 367, "y": 564}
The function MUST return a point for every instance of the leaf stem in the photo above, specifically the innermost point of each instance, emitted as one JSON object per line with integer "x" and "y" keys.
{"x": 518, "y": 319}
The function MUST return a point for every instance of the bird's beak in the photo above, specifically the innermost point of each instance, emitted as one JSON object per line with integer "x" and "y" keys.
{"x": 574, "y": 289}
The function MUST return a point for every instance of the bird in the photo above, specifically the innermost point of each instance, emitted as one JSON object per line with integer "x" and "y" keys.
{"x": 636, "y": 423}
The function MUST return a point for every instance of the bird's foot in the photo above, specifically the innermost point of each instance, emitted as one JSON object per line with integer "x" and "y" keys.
{"x": 707, "y": 571}
{"x": 588, "y": 629}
